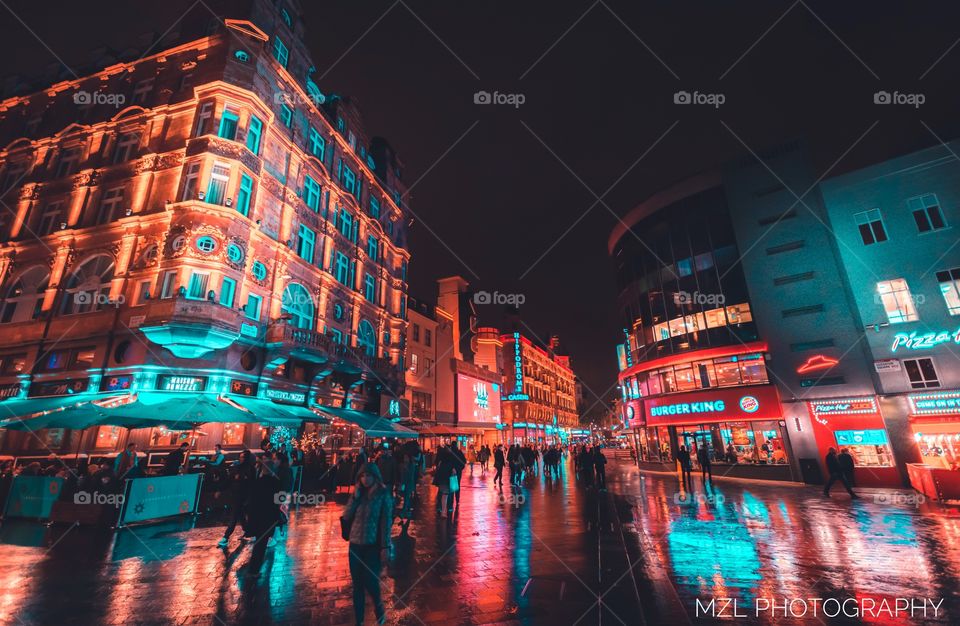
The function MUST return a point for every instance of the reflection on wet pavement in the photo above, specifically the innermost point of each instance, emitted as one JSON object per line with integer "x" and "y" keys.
{"x": 556, "y": 552}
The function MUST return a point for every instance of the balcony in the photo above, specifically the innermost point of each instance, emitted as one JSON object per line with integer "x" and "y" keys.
{"x": 190, "y": 328}
{"x": 286, "y": 341}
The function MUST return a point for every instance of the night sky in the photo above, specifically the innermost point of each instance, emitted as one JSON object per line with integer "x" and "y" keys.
{"x": 507, "y": 196}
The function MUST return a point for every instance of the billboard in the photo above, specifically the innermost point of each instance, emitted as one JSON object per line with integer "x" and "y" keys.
{"x": 477, "y": 400}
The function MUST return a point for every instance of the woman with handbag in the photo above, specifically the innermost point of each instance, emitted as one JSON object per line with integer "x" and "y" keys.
{"x": 366, "y": 524}
{"x": 445, "y": 479}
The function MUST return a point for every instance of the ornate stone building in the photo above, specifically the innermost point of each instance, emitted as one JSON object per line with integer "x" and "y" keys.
{"x": 199, "y": 219}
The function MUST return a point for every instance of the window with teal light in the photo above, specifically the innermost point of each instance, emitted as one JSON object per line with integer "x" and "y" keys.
{"x": 253, "y": 134}
{"x": 206, "y": 244}
{"x": 342, "y": 269}
{"x": 348, "y": 179}
{"x": 197, "y": 287}
{"x": 286, "y": 18}
{"x": 306, "y": 243}
{"x": 335, "y": 335}
{"x": 311, "y": 193}
{"x": 228, "y": 124}
{"x": 373, "y": 247}
{"x": 252, "y": 310}
{"x": 280, "y": 52}
{"x": 244, "y": 194}
{"x": 345, "y": 223}
{"x": 259, "y": 270}
{"x": 374, "y": 208}
{"x": 228, "y": 289}
{"x": 286, "y": 115}
{"x": 316, "y": 143}
{"x": 340, "y": 124}
{"x": 234, "y": 253}
{"x": 241, "y": 55}
{"x": 369, "y": 288}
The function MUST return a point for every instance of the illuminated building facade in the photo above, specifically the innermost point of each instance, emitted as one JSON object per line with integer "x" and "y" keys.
{"x": 827, "y": 343}
{"x": 421, "y": 360}
{"x": 201, "y": 219}
{"x": 539, "y": 390}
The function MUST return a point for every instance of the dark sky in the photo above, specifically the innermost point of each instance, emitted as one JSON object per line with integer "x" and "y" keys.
{"x": 503, "y": 195}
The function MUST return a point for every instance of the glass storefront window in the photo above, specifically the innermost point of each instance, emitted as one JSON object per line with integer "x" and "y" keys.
{"x": 770, "y": 443}
{"x": 160, "y": 437}
{"x": 684, "y": 377}
{"x": 728, "y": 372}
{"x": 739, "y": 443}
{"x": 107, "y": 437}
{"x": 753, "y": 371}
{"x": 869, "y": 448}
{"x": 739, "y": 314}
{"x": 735, "y": 442}
{"x": 663, "y": 443}
{"x": 940, "y": 450}
{"x": 716, "y": 318}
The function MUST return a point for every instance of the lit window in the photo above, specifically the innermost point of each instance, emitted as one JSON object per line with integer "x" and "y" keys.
{"x": 191, "y": 177}
{"x": 280, "y": 52}
{"x": 259, "y": 270}
{"x": 373, "y": 247}
{"x": 413, "y": 362}
{"x": 305, "y": 244}
{"x": 206, "y": 244}
{"x": 234, "y": 253}
{"x": 252, "y": 309}
{"x": 228, "y": 124}
{"x": 243, "y": 195}
{"x": 253, "y": 134}
{"x": 204, "y": 115}
{"x": 345, "y": 223}
{"x": 348, "y": 179}
{"x": 286, "y": 18}
{"x": 316, "y": 143}
{"x": 167, "y": 284}
{"x": 374, "y": 208}
{"x": 926, "y": 212}
{"x": 227, "y": 290}
{"x": 217, "y": 189}
{"x": 197, "y": 288}
{"x": 286, "y": 115}
{"x": 342, "y": 269}
{"x": 921, "y": 373}
{"x": 897, "y": 301}
{"x": 950, "y": 288}
{"x": 369, "y": 288}
{"x": 871, "y": 227}
{"x": 311, "y": 193}
{"x": 241, "y": 55}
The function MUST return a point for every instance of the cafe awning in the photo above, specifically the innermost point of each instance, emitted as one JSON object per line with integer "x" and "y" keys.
{"x": 177, "y": 411}
{"x": 276, "y": 414}
{"x": 372, "y": 424}
{"x": 76, "y": 411}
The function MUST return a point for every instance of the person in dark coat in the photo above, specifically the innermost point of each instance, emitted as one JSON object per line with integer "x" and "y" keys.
{"x": 263, "y": 514}
{"x": 683, "y": 458}
{"x": 387, "y": 464}
{"x": 515, "y": 459}
{"x": 241, "y": 477}
{"x": 445, "y": 468}
{"x": 370, "y": 515}
{"x": 498, "y": 462}
{"x": 703, "y": 459}
{"x": 174, "y": 460}
{"x": 600, "y": 463}
{"x": 846, "y": 465}
{"x": 459, "y": 463}
{"x": 835, "y": 469}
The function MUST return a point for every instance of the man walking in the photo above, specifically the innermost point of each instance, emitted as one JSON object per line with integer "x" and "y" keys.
{"x": 683, "y": 458}
{"x": 498, "y": 463}
{"x": 835, "y": 469}
{"x": 846, "y": 465}
{"x": 600, "y": 463}
{"x": 703, "y": 458}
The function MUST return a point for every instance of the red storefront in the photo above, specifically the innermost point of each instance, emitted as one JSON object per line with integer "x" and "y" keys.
{"x": 857, "y": 425}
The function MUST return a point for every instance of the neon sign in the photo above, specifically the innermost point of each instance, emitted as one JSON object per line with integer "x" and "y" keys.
{"x": 167, "y": 382}
{"x": 626, "y": 335}
{"x": 482, "y": 398}
{"x": 946, "y": 403}
{"x": 517, "y": 371}
{"x": 817, "y": 362}
{"x": 913, "y": 341}
{"x": 846, "y": 406}
{"x": 715, "y": 406}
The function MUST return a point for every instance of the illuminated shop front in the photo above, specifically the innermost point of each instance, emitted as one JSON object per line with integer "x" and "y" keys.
{"x": 935, "y": 422}
{"x": 855, "y": 424}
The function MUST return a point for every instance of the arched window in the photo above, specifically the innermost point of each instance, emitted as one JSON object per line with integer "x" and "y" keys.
{"x": 25, "y": 297}
{"x": 367, "y": 338}
{"x": 299, "y": 305}
{"x": 89, "y": 286}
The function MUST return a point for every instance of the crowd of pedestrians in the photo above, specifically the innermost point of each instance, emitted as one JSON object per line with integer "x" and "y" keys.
{"x": 591, "y": 465}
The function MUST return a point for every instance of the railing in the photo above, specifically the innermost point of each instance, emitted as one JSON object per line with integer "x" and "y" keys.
{"x": 299, "y": 336}
{"x": 182, "y": 309}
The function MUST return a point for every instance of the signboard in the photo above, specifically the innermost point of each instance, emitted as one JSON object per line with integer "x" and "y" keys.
{"x": 753, "y": 403}
{"x": 887, "y": 365}
{"x": 844, "y": 406}
{"x": 67, "y": 387}
{"x": 942, "y": 403}
{"x": 621, "y": 357}
{"x": 161, "y": 496}
{"x": 477, "y": 400}
{"x": 243, "y": 388}
{"x": 285, "y": 395}
{"x": 137, "y": 320}
{"x": 923, "y": 341}
{"x": 861, "y": 437}
{"x": 116, "y": 383}
{"x": 249, "y": 330}
{"x": 517, "y": 392}
{"x": 393, "y": 407}
{"x": 171, "y": 382}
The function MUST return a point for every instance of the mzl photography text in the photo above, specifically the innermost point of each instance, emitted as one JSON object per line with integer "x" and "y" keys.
{"x": 819, "y": 607}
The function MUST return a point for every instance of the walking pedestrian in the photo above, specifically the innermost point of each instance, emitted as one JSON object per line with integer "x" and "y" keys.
{"x": 498, "y": 463}
{"x": 600, "y": 463}
{"x": 459, "y": 463}
{"x": 835, "y": 470}
{"x": 264, "y": 510}
{"x": 846, "y": 465}
{"x": 445, "y": 479}
{"x": 242, "y": 475}
{"x": 703, "y": 458}
{"x": 368, "y": 518}
{"x": 683, "y": 458}
{"x": 471, "y": 457}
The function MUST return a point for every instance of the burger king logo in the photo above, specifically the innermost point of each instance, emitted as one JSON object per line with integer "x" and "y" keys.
{"x": 749, "y": 404}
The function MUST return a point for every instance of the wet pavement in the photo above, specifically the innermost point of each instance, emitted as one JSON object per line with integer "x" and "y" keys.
{"x": 563, "y": 553}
